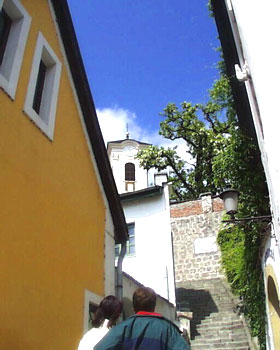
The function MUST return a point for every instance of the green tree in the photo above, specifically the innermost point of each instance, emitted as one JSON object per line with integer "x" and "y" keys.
{"x": 222, "y": 154}
{"x": 205, "y": 128}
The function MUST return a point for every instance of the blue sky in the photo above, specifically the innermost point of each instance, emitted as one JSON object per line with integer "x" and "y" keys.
{"x": 142, "y": 54}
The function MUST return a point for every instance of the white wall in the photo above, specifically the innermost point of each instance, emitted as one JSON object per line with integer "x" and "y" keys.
{"x": 163, "y": 306}
{"x": 259, "y": 28}
{"x": 257, "y": 24}
{"x": 152, "y": 264}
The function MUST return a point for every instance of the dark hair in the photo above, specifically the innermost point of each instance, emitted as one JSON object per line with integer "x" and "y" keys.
{"x": 110, "y": 308}
{"x": 144, "y": 299}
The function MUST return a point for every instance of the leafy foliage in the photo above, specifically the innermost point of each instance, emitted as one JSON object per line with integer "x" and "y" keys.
{"x": 204, "y": 140}
{"x": 240, "y": 257}
{"x": 240, "y": 244}
{"x": 221, "y": 155}
{"x": 239, "y": 165}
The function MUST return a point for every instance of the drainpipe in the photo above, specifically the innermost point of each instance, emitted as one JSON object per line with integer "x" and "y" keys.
{"x": 119, "y": 286}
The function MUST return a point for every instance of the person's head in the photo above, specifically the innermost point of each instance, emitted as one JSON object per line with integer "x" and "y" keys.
{"x": 109, "y": 308}
{"x": 144, "y": 299}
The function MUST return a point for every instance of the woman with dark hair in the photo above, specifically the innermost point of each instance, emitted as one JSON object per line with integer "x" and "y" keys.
{"x": 105, "y": 317}
{"x": 146, "y": 329}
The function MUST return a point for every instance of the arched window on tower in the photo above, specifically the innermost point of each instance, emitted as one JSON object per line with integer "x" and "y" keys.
{"x": 129, "y": 177}
{"x": 129, "y": 172}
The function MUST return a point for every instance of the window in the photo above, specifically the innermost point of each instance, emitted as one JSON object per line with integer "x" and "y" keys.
{"x": 130, "y": 248}
{"x": 129, "y": 177}
{"x": 42, "y": 93}
{"x": 5, "y": 27}
{"x": 14, "y": 28}
{"x": 91, "y": 310}
{"x": 130, "y": 244}
{"x": 91, "y": 301}
{"x": 129, "y": 172}
{"x": 39, "y": 87}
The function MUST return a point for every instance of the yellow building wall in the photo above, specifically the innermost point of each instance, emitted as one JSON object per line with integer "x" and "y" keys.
{"x": 52, "y": 214}
{"x": 273, "y": 299}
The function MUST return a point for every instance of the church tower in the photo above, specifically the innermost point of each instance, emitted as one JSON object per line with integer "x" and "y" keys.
{"x": 128, "y": 174}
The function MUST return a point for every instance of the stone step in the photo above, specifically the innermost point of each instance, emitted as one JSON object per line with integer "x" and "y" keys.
{"x": 218, "y": 343}
{"x": 221, "y": 347}
{"x": 205, "y": 304}
{"x": 206, "y": 312}
{"x": 213, "y": 333}
{"x": 219, "y": 295}
{"x": 218, "y": 333}
{"x": 215, "y": 325}
{"x": 221, "y": 327}
{"x": 222, "y": 338}
{"x": 222, "y": 315}
{"x": 222, "y": 319}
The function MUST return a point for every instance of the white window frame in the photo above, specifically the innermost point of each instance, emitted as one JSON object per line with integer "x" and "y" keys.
{"x": 45, "y": 120}
{"x": 13, "y": 56}
{"x": 90, "y": 297}
{"x": 128, "y": 248}
{"x": 128, "y": 245}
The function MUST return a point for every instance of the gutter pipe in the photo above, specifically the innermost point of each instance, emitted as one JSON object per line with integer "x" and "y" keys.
{"x": 119, "y": 284}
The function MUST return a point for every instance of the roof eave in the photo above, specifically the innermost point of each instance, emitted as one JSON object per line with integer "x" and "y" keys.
{"x": 140, "y": 194}
{"x": 79, "y": 76}
{"x": 127, "y": 140}
{"x": 230, "y": 55}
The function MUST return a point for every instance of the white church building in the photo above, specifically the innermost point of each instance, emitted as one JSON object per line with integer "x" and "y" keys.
{"x": 145, "y": 199}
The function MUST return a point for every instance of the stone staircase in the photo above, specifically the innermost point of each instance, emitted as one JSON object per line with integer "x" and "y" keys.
{"x": 215, "y": 323}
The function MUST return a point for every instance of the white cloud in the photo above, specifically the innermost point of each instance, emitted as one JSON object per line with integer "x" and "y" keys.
{"x": 113, "y": 123}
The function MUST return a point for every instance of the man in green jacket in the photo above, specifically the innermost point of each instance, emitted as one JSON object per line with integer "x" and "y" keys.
{"x": 146, "y": 330}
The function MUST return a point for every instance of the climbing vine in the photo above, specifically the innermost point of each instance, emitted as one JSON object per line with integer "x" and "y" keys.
{"x": 239, "y": 164}
{"x": 240, "y": 247}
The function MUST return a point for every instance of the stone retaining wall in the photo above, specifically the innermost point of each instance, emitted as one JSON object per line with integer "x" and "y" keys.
{"x": 195, "y": 225}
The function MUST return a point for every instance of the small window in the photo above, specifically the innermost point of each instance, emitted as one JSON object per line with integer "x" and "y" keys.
{"x": 91, "y": 303}
{"x": 39, "y": 87}
{"x": 5, "y": 27}
{"x": 42, "y": 92}
{"x": 129, "y": 172}
{"x": 91, "y": 310}
{"x": 14, "y": 29}
{"x": 130, "y": 249}
{"x": 130, "y": 244}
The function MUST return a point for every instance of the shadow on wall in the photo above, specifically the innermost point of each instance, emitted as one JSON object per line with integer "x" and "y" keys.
{"x": 197, "y": 301}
